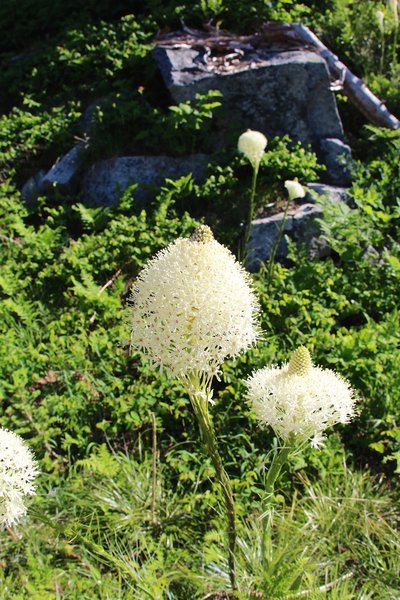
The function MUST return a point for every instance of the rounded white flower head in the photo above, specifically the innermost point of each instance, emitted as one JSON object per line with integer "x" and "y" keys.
{"x": 299, "y": 400}
{"x": 192, "y": 306}
{"x": 294, "y": 189}
{"x": 252, "y": 144}
{"x": 17, "y": 472}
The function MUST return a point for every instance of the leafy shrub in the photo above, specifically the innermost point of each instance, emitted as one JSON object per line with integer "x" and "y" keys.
{"x": 27, "y": 135}
{"x": 129, "y": 124}
{"x": 81, "y": 63}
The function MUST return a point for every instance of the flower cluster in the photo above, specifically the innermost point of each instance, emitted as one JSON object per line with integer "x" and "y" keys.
{"x": 252, "y": 144}
{"x": 300, "y": 400}
{"x": 17, "y": 472}
{"x": 192, "y": 307}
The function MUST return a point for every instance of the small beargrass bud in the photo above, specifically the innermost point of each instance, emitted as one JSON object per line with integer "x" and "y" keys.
{"x": 380, "y": 16}
{"x": 294, "y": 189}
{"x": 252, "y": 144}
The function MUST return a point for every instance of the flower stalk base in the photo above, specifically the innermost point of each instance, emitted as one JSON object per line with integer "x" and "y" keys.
{"x": 200, "y": 407}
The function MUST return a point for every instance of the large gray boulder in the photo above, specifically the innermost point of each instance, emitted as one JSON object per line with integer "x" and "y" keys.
{"x": 277, "y": 93}
{"x": 107, "y": 180}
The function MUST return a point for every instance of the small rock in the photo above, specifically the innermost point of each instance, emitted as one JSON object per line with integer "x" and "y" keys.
{"x": 87, "y": 116}
{"x": 301, "y": 226}
{"x": 107, "y": 180}
{"x": 331, "y": 193}
{"x": 32, "y": 189}
{"x": 64, "y": 174}
{"x": 334, "y": 154}
{"x": 372, "y": 255}
{"x": 263, "y": 236}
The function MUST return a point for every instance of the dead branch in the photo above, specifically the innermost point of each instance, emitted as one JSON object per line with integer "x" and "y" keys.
{"x": 354, "y": 88}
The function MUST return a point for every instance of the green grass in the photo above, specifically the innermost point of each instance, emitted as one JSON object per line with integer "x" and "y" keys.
{"x": 96, "y": 533}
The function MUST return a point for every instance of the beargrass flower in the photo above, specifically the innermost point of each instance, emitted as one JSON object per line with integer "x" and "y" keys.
{"x": 252, "y": 144}
{"x": 299, "y": 400}
{"x": 294, "y": 189}
{"x": 193, "y": 306}
{"x": 17, "y": 473}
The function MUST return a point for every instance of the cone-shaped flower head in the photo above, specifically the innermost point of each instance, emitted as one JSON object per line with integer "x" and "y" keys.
{"x": 299, "y": 400}
{"x": 252, "y": 144}
{"x": 17, "y": 473}
{"x": 193, "y": 306}
{"x": 294, "y": 189}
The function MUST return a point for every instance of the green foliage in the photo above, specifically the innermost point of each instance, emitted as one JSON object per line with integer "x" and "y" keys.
{"x": 126, "y": 123}
{"x": 80, "y": 63}
{"x": 26, "y": 135}
{"x": 62, "y": 318}
{"x": 285, "y": 159}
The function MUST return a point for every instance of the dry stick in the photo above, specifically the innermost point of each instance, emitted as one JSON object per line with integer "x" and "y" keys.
{"x": 103, "y": 288}
{"x": 322, "y": 588}
{"x": 357, "y": 92}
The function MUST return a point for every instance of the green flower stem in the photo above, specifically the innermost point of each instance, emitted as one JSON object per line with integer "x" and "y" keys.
{"x": 273, "y": 473}
{"x": 250, "y": 215}
{"x": 381, "y": 62}
{"x": 200, "y": 407}
{"x": 276, "y": 244}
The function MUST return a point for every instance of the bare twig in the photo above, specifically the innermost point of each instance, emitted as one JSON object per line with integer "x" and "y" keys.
{"x": 103, "y": 288}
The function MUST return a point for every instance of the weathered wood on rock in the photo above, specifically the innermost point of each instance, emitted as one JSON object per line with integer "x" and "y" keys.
{"x": 278, "y": 36}
{"x": 357, "y": 92}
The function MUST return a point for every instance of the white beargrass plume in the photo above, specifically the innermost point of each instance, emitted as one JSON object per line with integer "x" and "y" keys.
{"x": 17, "y": 472}
{"x": 252, "y": 144}
{"x": 192, "y": 307}
{"x": 298, "y": 400}
{"x": 294, "y": 189}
